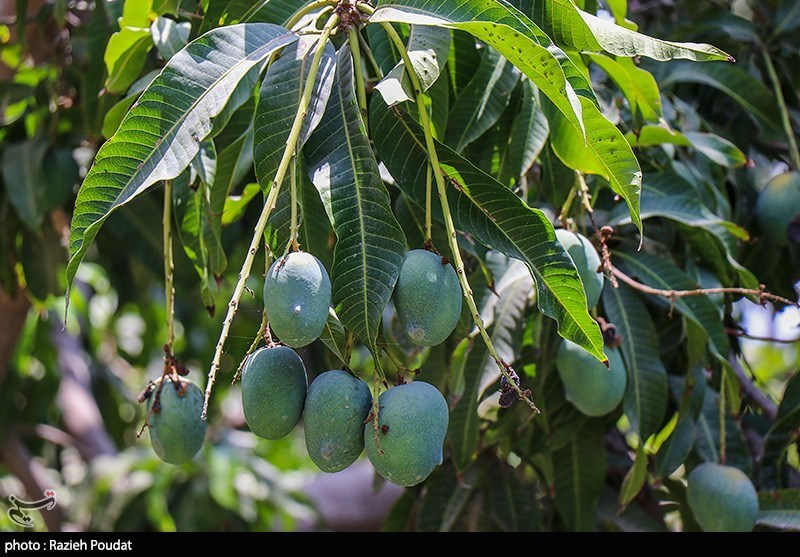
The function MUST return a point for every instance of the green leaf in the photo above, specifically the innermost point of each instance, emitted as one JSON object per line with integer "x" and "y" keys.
{"x": 463, "y": 60}
{"x": 529, "y": 132}
{"x": 646, "y": 395}
{"x": 479, "y": 106}
{"x": 235, "y": 205}
{"x": 633, "y": 482}
{"x": 370, "y": 244}
{"x": 707, "y": 436}
{"x": 504, "y": 313}
{"x": 25, "y": 180}
{"x": 267, "y": 11}
{"x": 493, "y": 215}
{"x": 427, "y": 48}
{"x": 605, "y": 152}
{"x": 638, "y": 86}
{"x": 501, "y": 26}
{"x": 116, "y": 113}
{"x": 780, "y": 509}
{"x": 718, "y": 149}
{"x": 279, "y": 102}
{"x": 788, "y": 417}
{"x": 42, "y": 256}
{"x": 575, "y": 29}
{"x": 676, "y": 449}
{"x": 512, "y": 501}
{"x": 444, "y": 501}
{"x": 660, "y": 273}
{"x": 158, "y": 140}
{"x": 125, "y": 56}
{"x": 233, "y": 164}
{"x": 169, "y": 36}
{"x": 335, "y": 337}
{"x": 579, "y": 471}
{"x": 751, "y": 93}
{"x": 205, "y": 163}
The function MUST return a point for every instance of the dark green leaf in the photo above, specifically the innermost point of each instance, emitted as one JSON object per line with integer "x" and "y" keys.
{"x": 677, "y": 447}
{"x": 779, "y": 509}
{"x": 512, "y": 501}
{"x": 634, "y": 480}
{"x": 25, "y": 180}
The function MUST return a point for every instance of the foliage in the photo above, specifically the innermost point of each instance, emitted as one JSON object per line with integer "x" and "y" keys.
{"x": 471, "y": 127}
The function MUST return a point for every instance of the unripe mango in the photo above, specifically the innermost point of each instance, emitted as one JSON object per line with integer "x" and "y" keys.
{"x": 427, "y": 298}
{"x": 587, "y": 262}
{"x": 592, "y": 387}
{"x": 778, "y": 206}
{"x": 177, "y": 430}
{"x": 297, "y": 295}
{"x": 337, "y": 404}
{"x": 722, "y": 498}
{"x": 412, "y": 424}
{"x": 274, "y": 386}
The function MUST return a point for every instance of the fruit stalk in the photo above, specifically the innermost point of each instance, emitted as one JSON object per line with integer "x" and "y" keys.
{"x": 787, "y": 124}
{"x": 310, "y": 7}
{"x": 269, "y": 205}
{"x": 452, "y": 236}
{"x": 293, "y": 226}
{"x": 169, "y": 264}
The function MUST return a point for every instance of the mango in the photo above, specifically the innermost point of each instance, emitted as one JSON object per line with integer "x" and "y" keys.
{"x": 177, "y": 431}
{"x": 722, "y": 498}
{"x": 592, "y": 387}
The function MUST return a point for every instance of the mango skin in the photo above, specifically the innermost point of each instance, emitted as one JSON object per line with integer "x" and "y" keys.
{"x": 427, "y": 298}
{"x": 274, "y": 385}
{"x": 722, "y": 498}
{"x": 336, "y": 406}
{"x": 297, "y": 295}
{"x": 177, "y": 430}
{"x": 777, "y": 205}
{"x": 592, "y": 387}
{"x": 586, "y": 260}
{"x": 412, "y": 424}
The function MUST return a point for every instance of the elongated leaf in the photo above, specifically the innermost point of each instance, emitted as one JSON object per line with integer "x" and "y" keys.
{"x": 279, "y": 102}
{"x": 42, "y": 257}
{"x": 169, "y": 36}
{"x": 335, "y": 337}
{"x": 501, "y": 26}
{"x": 575, "y": 29}
{"x": 529, "y": 132}
{"x": 370, "y": 244}
{"x": 444, "y": 501}
{"x": 634, "y": 480}
{"x": 646, "y": 395}
{"x": 116, "y": 113}
{"x": 579, "y": 471}
{"x": 751, "y": 93}
{"x": 658, "y": 272}
{"x": 707, "y": 436}
{"x": 504, "y": 312}
{"x": 482, "y": 101}
{"x": 677, "y": 447}
{"x": 638, "y": 86}
{"x": 23, "y": 174}
{"x": 788, "y": 417}
{"x": 493, "y": 215}
{"x": 463, "y": 60}
{"x": 512, "y": 501}
{"x": 157, "y": 140}
{"x": 605, "y": 152}
{"x": 125, "y": 56}
{"x": 234, "y": 161}
{"x": 428, "y": 48}
{"x": 718, "y": 149}
{"x": 779, "y": 509}
{"x": 235, "y": 205}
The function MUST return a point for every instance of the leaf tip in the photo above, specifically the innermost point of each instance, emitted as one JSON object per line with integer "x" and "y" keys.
{"x": 730, "y": 58}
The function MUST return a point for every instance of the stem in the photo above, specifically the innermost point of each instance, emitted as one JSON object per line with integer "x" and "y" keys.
{"x": 361, "y": 92}
{"x": 169, "y": 264}
{"x": 565, "y": 208}
{"x": 256, "y": 341}
{"x": 293, "y": 226}
{"x": 368, "y": 53}
{"x": 452, "y": 235}
{"x": 787, "y": 124}
{"x": 310, "y": 7}
{"x": 722, "y": 439}
{"x": 428, "y": 218}
{"x": 269, "y": 205}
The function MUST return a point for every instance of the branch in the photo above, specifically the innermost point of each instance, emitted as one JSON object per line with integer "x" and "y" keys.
{"x": 755, "y": 394}
{"x": 745, "y": 334}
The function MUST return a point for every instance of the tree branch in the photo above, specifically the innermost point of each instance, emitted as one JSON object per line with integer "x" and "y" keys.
{"x": 755, "y": 394}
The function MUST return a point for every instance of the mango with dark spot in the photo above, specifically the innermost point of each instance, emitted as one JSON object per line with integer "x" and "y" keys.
{"x": 591, "y": 386}
{"x": 722, "y": 498}
{"x": 274, "y": 387}
{"x": 337, "y": 403}
{"x": 177, "y": 430}
{"x": 412, "y": 424}
{"x": 297, "y": 295}
{"x": 427, "y": 298}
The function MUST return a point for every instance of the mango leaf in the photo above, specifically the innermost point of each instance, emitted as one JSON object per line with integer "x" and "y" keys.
{"x": 370, "y": 244}
{"x": 658, "y": 272}
{"x": 428, "y": 48}
{"x": 780, "y": 509}
{"x": 25, "y": 180}
{"x": 676, "y": 448}
{"x": 751, "y": 93}
{"x": 482, "y": 101}
{"x": 646, "y": 395}
{"x": 493, "y": 215}
{"x": 788, "y": 417}
{"x": 605, "y": 152}
{"x": 266, "y": 11}
{"x": 444, "y": 501}
{"x": 463, "y": 60}
{"x": 116, "y": 113}
{"x": 235, "y": 205}
{"x": 335, "y": 337}
{"x": 707, "y": 436}
{"x": 504, "y": 312}
{"x": 157, "y": 141}
{"x": 512, "y": 501}
{"x": 279, "y": 102}
{"x": 529, "y": 133}
{"x": 634, "y": 480}
{"x": 501, "y": 26}
{"x": 169, "y": 36}
{"x": 42, "y": 257}
{"x": 579, "y": 470}
{"x": 718, "y": 149}
{"x": 575, "y": 29}
{"x": 125, "y": 56}
{"x": 638, "y": 86}
{"x": 233, "y": 163}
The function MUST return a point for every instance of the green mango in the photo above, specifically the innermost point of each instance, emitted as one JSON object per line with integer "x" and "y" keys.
{"x": 592, "y": 387}
{"x": 177, "y": 430}
{"x": 722, "y": 498}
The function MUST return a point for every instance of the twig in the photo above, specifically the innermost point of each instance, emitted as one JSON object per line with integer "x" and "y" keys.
{"x": 794, "y": 153}
{"x": 269, "y": 205}
{"x": 755, "y": 394}
{"x": 428, "y": 217}
{"x": 263, "y": 332}
{"x": 452, "y": 235}
{"x": 744, "y": 334}
{"x": 169, "y": 264}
